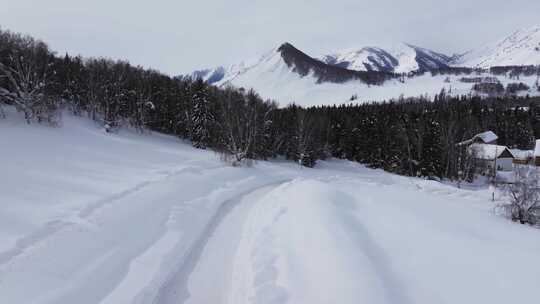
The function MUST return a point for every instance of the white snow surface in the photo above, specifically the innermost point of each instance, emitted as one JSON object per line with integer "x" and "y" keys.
{"x": 487, "y": 151}
{"x": 358, "y": 58}
{"x": 92, "y": 217}
{"x": 487, "y": 136}
{"x": 520, "y": 48}
{"x": 537, "y": 148}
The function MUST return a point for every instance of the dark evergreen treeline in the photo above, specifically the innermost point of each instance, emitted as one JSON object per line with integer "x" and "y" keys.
{"x": 511, "y": 71}
{"x": 415, "y": 137}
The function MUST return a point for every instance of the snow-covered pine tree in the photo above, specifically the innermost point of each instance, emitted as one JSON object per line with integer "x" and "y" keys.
{"x": 305, "y": 153}
{"x": 201, "y": 116}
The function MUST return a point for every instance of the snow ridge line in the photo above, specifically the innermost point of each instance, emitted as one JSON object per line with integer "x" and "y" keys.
{"x": 175, "y": 287}
{"x": 50, "y": 228}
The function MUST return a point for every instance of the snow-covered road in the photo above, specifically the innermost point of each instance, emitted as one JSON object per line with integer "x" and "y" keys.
{"x": 89, "y": 217}
{"x": 345, "y": 240}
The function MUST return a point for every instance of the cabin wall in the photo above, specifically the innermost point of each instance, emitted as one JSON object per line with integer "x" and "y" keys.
{"x": 505, "y": 164}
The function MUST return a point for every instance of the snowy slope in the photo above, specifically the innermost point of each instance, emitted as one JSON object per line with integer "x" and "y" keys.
{"x": 222, "y": 74}
{"x": 364, "y": 59}
{"x": 520, "y": 48}
{"x": 402, "y": 58}
{"x": 272, "y": 78}
{"x": 90, "y": 217}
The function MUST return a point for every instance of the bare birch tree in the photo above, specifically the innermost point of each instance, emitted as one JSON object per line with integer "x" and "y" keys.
{"x": 27, "y": 73}
{"x": 243, "y": 121}
{"x": 523, "y": 195}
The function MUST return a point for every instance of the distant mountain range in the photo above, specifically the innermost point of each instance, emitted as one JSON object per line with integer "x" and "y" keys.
{"x": 289, "y": 75}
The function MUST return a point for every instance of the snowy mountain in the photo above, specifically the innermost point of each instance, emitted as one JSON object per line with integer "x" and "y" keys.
{"x": 287, "y": 74}
{"x": 402, "y": 59}
{"x": 210, "y": 75}
{"x": 222, "y": 73}
{"x": 290, "y": 59}
{"x": 338, "y": 66}
{"x": 520, "y": 48}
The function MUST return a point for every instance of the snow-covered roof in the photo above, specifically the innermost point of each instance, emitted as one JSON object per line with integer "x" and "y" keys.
{"x": 522, "y": 154}
{"x": 537, "y": 148}
{"x": 487, "y": 151}
{"x": 486, "y": 137}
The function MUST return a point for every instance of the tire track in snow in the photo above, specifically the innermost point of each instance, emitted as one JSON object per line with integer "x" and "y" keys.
{"x": 144, "y": 274}
{"x": 175, "y": 288}
{"x": 81, "y": 218}
{"x": 359, "y": 233}
{"x": 264, "y": 266}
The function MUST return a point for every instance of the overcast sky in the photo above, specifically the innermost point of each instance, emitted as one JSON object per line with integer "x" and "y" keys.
{"x": 180, "y": 36}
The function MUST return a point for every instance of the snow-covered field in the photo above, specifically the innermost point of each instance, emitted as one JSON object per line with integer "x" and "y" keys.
{"x": 90, "y": 217}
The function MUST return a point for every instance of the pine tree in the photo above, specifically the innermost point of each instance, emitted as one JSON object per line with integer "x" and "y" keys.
{"x": 201, "y": 118}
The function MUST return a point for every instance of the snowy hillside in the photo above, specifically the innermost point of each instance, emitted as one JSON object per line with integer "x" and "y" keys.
{"x": 402, "y": 58}
{"x": 364, "y": 59}
{"x": 274, "y": 80}
{"x": 274, "y": 77}
{"x": 520, "y": 48}
{"x": 92, "y": 217}
{"x": 222, "y": 74}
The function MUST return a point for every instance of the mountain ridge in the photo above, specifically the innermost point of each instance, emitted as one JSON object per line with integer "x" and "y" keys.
{"x": 287, "y": 74}
{"x": 520, "y": 48}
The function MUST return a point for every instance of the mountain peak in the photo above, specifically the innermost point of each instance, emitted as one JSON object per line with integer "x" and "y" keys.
{"x": 288, "y": 48}
{"x": 286, "y": 45}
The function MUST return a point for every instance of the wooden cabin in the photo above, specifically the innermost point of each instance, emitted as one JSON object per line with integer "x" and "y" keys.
{"x": 492, "y": 157}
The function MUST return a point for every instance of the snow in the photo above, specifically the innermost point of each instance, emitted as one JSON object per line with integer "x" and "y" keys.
{"x": 487, "y": 151}
{"x": 356, "y": 59}
{"x": 537, "y": 148}
{"x": 520, "y": 48}
{"x": 522, "y": 154}
{"x": 93, "y": 217}
{"x": 400, "y": 58}
{"x": 273, "y": 79}
{"x": 270, "y": 76}
{"x": 406, "y": 57}
{"x": 487, "y": 137}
